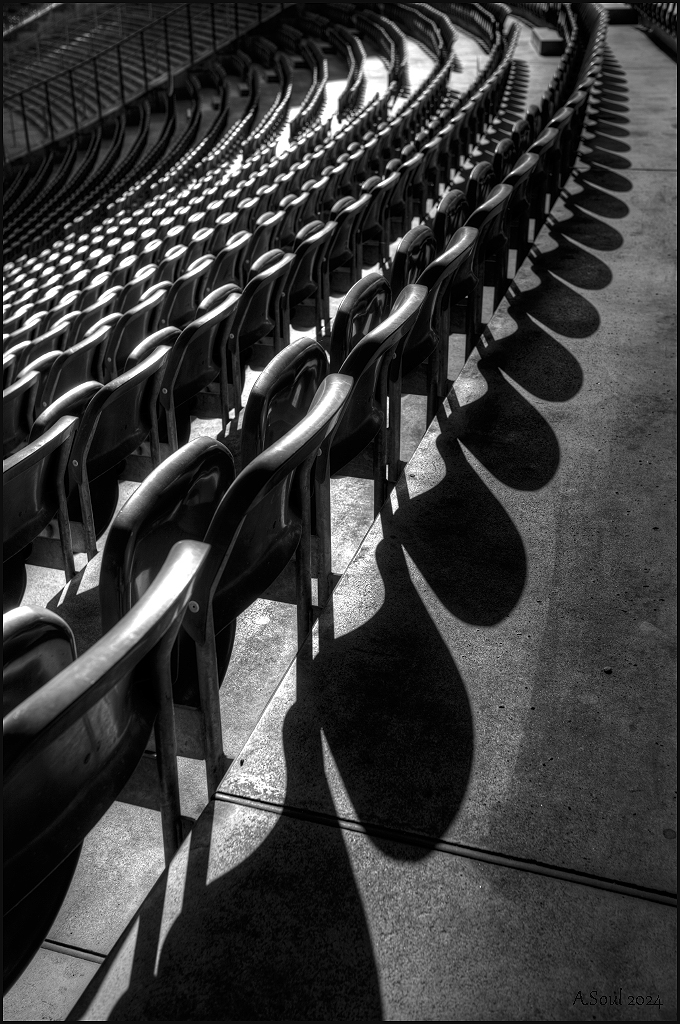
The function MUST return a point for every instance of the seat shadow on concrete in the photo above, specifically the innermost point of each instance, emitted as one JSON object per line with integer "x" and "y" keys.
{"x": 553, "y": 303}
{"x": 282, "y": 933}
{"x": 533, "y": 359}
{"x": 381, "y": 715}
{"x": 281, "y": 937}
{"x": 462, "y": 540}
{"x": 509, "y": 436}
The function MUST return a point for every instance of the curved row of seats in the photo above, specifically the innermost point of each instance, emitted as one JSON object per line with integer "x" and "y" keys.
{"x": 199, "y": 541}
{"x": 89, "y": 79}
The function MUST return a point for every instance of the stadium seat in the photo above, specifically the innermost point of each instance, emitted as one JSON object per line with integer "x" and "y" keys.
{"x": 71, "y": 745}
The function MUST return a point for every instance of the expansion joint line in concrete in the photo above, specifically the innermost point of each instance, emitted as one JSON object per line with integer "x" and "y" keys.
{"x": 75, "y": 951}
{"x": 457, "y": 850}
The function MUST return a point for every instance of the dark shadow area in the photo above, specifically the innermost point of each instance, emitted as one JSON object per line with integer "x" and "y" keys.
{"x": 608, "y": 143}
{"x": 463, "y": 542}
{"x": 585, "y": 230}
{"x": 603, "y": 176}
{"x": 576, "y": 266}
{"x": 601, "y": 203}
{"x": 601, "y": 158}
{"x": 534, "y": 360}
{"x": 612, "y": 131}
{"x": 80, "y": 609}
{"x": 554, "y": 304}
{"x": 609, "y": 106}
{"x": 611, "y": 117}
{"x": 401, "y": 737}
{"x": 509, "y": 437}
{"x": 282, "y": 935}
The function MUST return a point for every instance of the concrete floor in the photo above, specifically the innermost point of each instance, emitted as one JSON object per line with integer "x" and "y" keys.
{"x": 477, "y": 757}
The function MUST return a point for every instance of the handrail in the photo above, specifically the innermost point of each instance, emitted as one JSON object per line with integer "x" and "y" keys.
{"x": 95, "y": 56}
{"x": 28, "y": 20}
{"x": 41, "y": 117}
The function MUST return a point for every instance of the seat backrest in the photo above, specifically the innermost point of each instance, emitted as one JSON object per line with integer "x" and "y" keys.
{"x": 73, "y": 403}
{"x": 482, "y": 179}
{"x": 258, "y": 304}
{"x": 96, "y": 286}
{"x": 70, "y": 747}
{"x": 452, "y": 212}
{"x": 256, "y": 527}
{"x": 224, "y": 230}
{"x": 367, "y": 364}
{"x": 84, "y": 361}
{"x": 348, "y": 213}
{"x": 281, "y": 396}
{"x": 194, "y": 359}
{"x": 415, "y": 251}
{"x": 32, "y": 479}
{"x": 199, "y": 243}
{"x": 105, "y": 304}
{"x": 36, "y": 645}
{"x": 490, "y": 220}
{"x": 180, "y": 303}
{"x": 448, "y": 273}
{"x": 519, "y": 178}
{"x": 545, "y": 144}
{"x": 171, "y": 264}
{"x": 134, "y": 289}
{"x": 118, "y": 418}
{"x": 265, "y": 229}
{"x": 522, "y": 135}
{"x": 365, "y": 305}
{"x": 228, "y": 265}
{"x": 18, "y": 409}
{"x": 176, "y": 502}
{"x": 133, "y": 327}
{"x": 503, "y": 158}
{"x": 310, "y": 247}
{"x": 124, "y": 267}
{"x": 8, "y": 369}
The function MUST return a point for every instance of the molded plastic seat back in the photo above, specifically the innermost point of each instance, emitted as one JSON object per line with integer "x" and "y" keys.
{"x": 452, "y": 212}
{"x": 176, "y": 502}
{"x": 482, "y": 179}
{"x": 180, "y": 302}
{"x": 132, "y": 328}
{"x": 415, "y": 251}
{"x": 18, "y": 408}
{"x": 365, "y": 305}
{"x": 311, "y": 245}
{"x": 447, "y": 278}
{"x": 282, "y": 396}
{"x": 36, "y": 645}
{"x": 71, "y": 746}
{"x": 84, "y": 361}
{"x": 117, "y": 419}
{"x": 258, "y": 308}
{"x": 31, "y": 485}
{"x": 228, "y": 265}
{"x": 367, "y": 364}
{"x": 257, "y": 526}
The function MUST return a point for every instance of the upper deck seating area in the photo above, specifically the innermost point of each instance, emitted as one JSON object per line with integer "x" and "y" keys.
{"x": 110, "y": 55}
{"x": 220, "y": 304}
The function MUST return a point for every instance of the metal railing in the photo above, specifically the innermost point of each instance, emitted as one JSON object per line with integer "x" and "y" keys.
{"x": 78, "y": 97}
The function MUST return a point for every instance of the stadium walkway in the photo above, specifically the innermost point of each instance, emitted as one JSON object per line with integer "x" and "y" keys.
{"x": 462, "y": 807}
